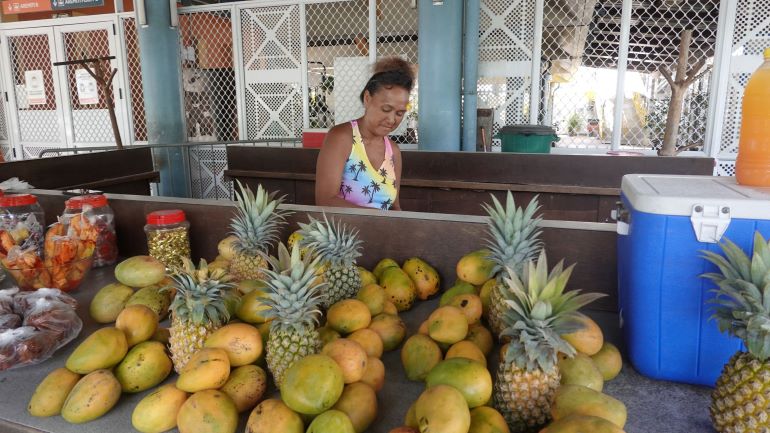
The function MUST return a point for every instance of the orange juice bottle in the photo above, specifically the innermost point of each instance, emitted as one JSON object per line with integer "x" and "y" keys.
{"x": 753, "y": 164}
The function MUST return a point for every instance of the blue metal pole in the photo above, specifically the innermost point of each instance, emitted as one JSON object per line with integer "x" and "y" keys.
{"x": 162, "y": 84}
{"x": 470, "y": 74}
{"x": 440, "y": 47}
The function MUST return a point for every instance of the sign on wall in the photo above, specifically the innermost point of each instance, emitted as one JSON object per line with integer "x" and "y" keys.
{"x": 88, "y": 93}
{"x": 61, "y": 5}
{"x": 35, "y": 87}
{"x": 28, "y": 6}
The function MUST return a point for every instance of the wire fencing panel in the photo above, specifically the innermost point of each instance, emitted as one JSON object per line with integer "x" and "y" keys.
{"x": 135, "y": 93}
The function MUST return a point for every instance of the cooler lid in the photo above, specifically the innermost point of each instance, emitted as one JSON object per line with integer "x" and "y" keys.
{"x": 677, "y": 194}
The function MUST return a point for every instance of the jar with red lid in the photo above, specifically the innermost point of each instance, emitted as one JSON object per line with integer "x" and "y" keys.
{"x": 168, "y": 236}
{"x": 22, "y": 219}
{"x": 96, "y": 209}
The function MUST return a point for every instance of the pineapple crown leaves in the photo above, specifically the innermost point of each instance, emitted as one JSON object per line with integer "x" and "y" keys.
{"x": 201, "y": 296}
{"x": 333, "y": 241}
{"x": 539, "y": 312}
{"x": 258, "y": 219}
{"x": 741, "y": 306}
{"x": 293, "y": 293}
{"x": 513, "y": 234}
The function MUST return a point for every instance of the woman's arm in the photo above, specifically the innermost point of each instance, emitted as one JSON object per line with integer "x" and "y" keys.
{"x": 397, "y": 163}
{"x": 331, "y": 161}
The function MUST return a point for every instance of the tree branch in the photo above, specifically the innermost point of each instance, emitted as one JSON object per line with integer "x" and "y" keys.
{"x": 688, "y": 147}
{"x": 695, "y": 69}
{"x": 667, "y": 75}
{"x": 697, "y": 77}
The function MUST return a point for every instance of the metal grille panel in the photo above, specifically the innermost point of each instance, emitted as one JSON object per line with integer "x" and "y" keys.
{"x": 134, "y": 74}
{"x": 273, "y": 67}
{"x": 90, "y": 122}
{"x": 37, "y": 123}
{"x": 209, "y": 80}
{"x": 207, "y": 169}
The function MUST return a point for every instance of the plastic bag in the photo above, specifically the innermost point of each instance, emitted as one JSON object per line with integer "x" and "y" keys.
{"x": 49, "y": 322}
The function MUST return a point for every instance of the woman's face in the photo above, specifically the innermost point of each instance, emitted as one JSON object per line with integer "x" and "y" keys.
{"x": 385, "y": 109}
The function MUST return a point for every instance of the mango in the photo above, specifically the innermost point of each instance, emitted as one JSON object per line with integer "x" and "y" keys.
{"x": 404, "y": 429}
{"x": 485, "y": 294}
{"x": 93, "y": 396}
{"x": 208, "y": 368}
{"x": 442, "y": 408}
{"x": 359, "y": 402}
{"x": 327, "y": 335}
{"x": 138, "y": 322}
{"x": 348, "y": 315}
{"x": 580, "y": 424}
{"x": 410, "y": 419}
{"x": 208, "y": 411}
{"x": 447, "y": 325}
{"x": 157, "y": 411}
{"x": 389, "y": 308}
{"x": 374, "y": 375}
{"x": 399, "y": 288}
{"x": 49, "y": 396}
{"x": 608, "y": 361}
{"x": 154, "y": 297}
{"x": 109, "y": 301}
{"x": 485, "y": 419}
{"x": 241, "y": 341}
{"x": 251, "y": 308}
{"x": 373, "y": 296}
{"x": 225, "y": 247}
{"x": 419, "y": 355}
{"x": 161, "y": 335}
{"x": 382, "y": 265}
{"x": 247, "y": 286}
{"x": 105, "y": 348}
{"x": 140, "y": 271}
{"x": 273, "y": 416}
{"x": 461, "y": 288}
{"x": 350, "y": 356}
{"x": 312, "y": 385}
{"x": 331, "y": 421}
{"x": 369, "y": 340}
{"x": 579, "y": 400}
{"x": 471, "y": 378}
{"x": 481, "y": 337}
{"x": 581, "y": 370}
{"x": 589, "y": 339}
{"x": 468, "y": 350}
{"x": 470, "y": 305}
{"x": 145, "y": 366}
{"x": 366, "y": 277}
{"x": 246, "y": 386}
{"x": 475, "y": 267}
{"x": 390, "y": 328}
{"x": 425, "y": 278}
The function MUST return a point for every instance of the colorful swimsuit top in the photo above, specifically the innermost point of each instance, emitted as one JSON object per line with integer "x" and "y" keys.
{"x": 364, "y": 185}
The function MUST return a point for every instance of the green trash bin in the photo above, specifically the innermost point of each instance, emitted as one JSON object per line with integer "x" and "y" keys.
{"x": 527, "y": 138}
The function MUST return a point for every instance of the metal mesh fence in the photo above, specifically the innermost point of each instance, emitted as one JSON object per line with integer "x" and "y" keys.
{"x": 37, "y": 114}
{"x": 134, "y": 75}
{"x": 208, "y": 75}
{"x": 90, "y": 118}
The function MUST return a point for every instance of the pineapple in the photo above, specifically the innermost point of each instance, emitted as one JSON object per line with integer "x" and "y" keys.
{"x": 513, "y": 242}
{"x": 537, "y": 312}
{"x": 255, "y": 226}
{"x": 200, "y": 307}
{"x": 338, "y": 248}
{"x": 739, "y": 401}
{"x": 293, "y": 295}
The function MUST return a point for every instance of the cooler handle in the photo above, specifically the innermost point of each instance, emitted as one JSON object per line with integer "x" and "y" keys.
{"x": 623, "y": 218}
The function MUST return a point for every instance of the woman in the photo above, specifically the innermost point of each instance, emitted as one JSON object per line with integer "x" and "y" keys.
{"x": 358, "y": 166}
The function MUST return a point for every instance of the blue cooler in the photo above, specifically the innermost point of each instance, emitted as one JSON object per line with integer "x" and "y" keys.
{"x": 663, "y": 224}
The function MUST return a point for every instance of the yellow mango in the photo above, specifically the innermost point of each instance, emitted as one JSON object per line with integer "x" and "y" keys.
{"x": 138, "y": 322}
{"x": 49, "y": 396}
{"x": 246, "y": 386}
{"x": 157, "y": 412}
{"x": 208, "y": 368}
{"x": 105, "y": 348}
{"x": 608, "y": 361}
{"x": 154, "y": 297}
{"x": 589, "y": 339}
{"x": 447, "y": 325}
{"x": 373, "y": 296}
{"x": 93, "y": 396}
{"x": 582, "y": 424}
{"x": 425, "y": 278}
{"x": 579, "y": 400}
{"x": 140, "y": 271}
{"x": 348, "y": 315}
{"x": 208, "y": 411}
{"x": 399, "y": 288}
{"x": 475, "y": 267}
{"x": 241, "y": 341}
{"x": 273, "y": 416}
{"x": 366, "y": 277}
{"x": 109, "y": 301}
{"x": 359, "y": 402}
{"x": 581, "y": 370}
{"x": 382, "y": 265}
{"x": 145, "y": 366}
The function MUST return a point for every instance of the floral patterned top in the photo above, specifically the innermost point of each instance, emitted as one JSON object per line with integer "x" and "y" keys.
{"x": 364, "y": 185}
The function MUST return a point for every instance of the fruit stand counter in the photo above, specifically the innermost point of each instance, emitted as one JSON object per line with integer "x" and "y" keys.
{"x": 440, "y": 239}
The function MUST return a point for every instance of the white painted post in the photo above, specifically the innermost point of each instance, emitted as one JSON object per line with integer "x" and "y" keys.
{"x": 721, "y": 78}
{"x": 537, "y": 47}
{"x": 303, "y": 63}
{"x": 625, "y": 32}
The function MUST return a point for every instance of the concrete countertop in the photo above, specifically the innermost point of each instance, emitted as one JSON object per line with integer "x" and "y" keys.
{"x": 653, "y": 406}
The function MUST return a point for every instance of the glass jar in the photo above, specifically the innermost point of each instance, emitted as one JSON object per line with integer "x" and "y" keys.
{"x": 168, "y": 236}
{"x": 22, "y": 218}
{"x": 99, "y": 214}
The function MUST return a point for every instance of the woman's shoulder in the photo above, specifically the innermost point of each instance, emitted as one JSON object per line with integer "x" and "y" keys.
{"x": 339, "y": 137}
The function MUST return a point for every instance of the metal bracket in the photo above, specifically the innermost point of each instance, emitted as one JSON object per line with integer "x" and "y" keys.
{"x": 710, "y": 222}
{"x": 622, "y": 217}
